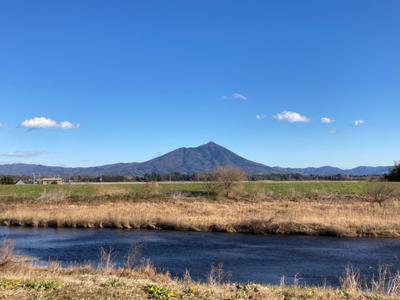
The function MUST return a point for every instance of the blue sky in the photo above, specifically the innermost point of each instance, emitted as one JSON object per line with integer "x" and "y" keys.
{"x": 84, "y": 83}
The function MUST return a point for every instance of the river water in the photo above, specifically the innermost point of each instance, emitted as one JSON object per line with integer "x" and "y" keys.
{"x": 245, "y": 258}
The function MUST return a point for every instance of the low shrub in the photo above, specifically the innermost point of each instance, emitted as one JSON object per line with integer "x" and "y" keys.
{"x": 114, "y": 282}
{"x": 29, "y": 284}
{"x": 379, "y": 192}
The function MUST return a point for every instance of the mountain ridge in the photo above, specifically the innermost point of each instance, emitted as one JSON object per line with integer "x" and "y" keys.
{"x": 187, "y": 160}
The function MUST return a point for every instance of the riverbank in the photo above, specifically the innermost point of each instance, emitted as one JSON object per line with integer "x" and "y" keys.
{"x": 19, "y": 279}
{"x": 341, "y": 216}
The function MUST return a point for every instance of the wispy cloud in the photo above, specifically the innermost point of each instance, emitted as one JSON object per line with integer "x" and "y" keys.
{"x": 239, "y": 96}
{"x": 333, "y": 131}
{"x": 358, "y": 122}
{"x": 236, "y": 96}
{"x": 2, "y": 125}
{"x": 22, "y": 154}
{"x": 327, "y": 120}
{"x": 261, "y": 117}
{"x": 47, "y": 123}
{"x": 291, "y": 117}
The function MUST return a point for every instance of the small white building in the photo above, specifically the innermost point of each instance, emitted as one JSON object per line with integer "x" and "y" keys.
{"x": 20, "y": 182}
{"x": 52, "y": 180}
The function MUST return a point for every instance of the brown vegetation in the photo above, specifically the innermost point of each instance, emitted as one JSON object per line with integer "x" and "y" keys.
{"x": 319, "y": 214}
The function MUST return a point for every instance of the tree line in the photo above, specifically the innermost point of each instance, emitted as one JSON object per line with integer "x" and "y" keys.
{"x": 393, "y": 175}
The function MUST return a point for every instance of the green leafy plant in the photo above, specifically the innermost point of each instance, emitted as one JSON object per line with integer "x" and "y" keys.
{"x": 114, "y": 282}
{"x": 29, "y": 284}
{"x": 159, "y": 293}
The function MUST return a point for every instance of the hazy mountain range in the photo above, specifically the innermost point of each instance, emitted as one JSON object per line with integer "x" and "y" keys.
{"x": 204, "y": 158}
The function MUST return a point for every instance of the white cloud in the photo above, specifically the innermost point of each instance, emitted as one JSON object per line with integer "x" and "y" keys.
{"x": 47, "y": 123}
{"x": 23, "y": 153}
{"x": 236, "y": 96}
{"x": 2, "y": 125}
{"x": 261, "y": 117}
{"x": 291, "y": 117}
{"x": 358, "y": 122}
{"x": 239, "y": 96}
{"x": 327, "y": 120}
{"x": 68, "y": 125}
{"x": 332, "y": 131}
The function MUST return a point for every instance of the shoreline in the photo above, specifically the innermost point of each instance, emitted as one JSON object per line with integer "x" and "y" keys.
{"x": 320, "y": 232}
{"x": 151, "y": 228}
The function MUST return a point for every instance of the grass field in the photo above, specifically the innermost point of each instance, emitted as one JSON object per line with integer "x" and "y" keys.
{"x": 114, "y": 192}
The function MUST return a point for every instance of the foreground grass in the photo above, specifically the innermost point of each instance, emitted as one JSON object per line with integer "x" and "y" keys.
{"x": 21, "y": 280}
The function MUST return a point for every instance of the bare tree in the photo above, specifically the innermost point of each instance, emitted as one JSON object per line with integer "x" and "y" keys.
{"x": 228, "y": 178}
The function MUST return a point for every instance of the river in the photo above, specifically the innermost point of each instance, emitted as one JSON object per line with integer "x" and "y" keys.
{"x": 245, "y": 258}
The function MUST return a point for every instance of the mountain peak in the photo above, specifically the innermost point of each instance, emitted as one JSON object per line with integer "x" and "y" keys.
{"x": 209, "y": 144}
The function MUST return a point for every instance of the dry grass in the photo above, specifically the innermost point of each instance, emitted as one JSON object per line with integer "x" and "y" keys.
{"x": 6, "y": 257}
{"x": 384, "y": 282}
{"x": 143, "y": 282}
{"x": 323, "y": 215}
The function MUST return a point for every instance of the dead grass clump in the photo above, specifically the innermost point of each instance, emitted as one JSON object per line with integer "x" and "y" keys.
{"x": 350, "y": 280}
{"x": 294, "y": 195}
{"x": 106, "y": 260}
{"x": 319, "y": 195}
{"x": 384, "y": 282}
{"x": 131, "y": 257}
{"x": 146, "y": 268}
{"x": 217, "y": 274}
{"x": 6, "y": 254}
{"x": 257, "y": 193}
{"x": 53, "y": 196}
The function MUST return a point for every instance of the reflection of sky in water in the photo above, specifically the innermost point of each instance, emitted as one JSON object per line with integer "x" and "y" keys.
{"x": 246, "y": 257}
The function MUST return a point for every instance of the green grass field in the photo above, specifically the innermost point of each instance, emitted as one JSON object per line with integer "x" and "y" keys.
{"x": 82, "y": 192}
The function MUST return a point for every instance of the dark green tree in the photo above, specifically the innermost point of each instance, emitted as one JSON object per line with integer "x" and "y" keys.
{"x": 7, "y": 180}
{"x": 394, "y": 174}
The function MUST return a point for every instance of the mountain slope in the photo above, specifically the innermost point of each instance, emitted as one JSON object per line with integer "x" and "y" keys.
{"x": 204, "y": 158}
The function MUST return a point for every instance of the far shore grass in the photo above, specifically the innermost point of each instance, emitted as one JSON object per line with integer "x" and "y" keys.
{"x": 133, "y": 191}
{"x": 309, "y": 208}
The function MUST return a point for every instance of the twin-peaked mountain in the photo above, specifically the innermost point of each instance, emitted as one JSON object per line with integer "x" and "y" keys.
{"x": 204, "y": 158}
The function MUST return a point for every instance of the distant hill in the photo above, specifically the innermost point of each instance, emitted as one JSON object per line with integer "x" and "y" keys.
{"x": 328, "y": 170}
{"x": 204, "y": 158}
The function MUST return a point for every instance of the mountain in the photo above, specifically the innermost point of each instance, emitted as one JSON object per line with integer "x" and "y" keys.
{"x": 204, "y": 158}
{"x": 328, "y": 170}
